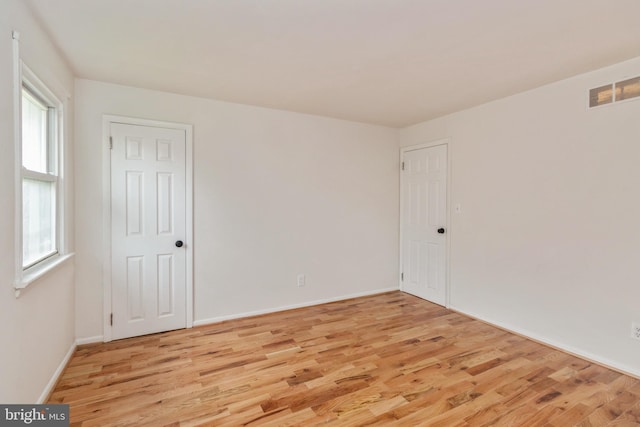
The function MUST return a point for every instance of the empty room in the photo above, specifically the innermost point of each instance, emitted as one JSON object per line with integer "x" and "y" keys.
{"x": 320, "y": 212}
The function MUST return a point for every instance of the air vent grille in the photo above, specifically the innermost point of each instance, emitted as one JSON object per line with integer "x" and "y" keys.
{"x": 628, "y": 89}
{"x": 614, "y": 92}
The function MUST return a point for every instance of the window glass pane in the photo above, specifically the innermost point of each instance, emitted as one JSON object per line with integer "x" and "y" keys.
{"x": 628, "y": 89}
{"x": 34, "y": 133}
{"x": 601, "y": 95}
{"x": 38, "y": 220}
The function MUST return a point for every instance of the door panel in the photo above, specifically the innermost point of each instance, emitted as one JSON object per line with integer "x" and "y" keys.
{"x": 148, "y": 216}
{"x": 424, "y": 211}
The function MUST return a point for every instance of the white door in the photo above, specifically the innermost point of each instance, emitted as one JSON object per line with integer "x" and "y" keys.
{"x": 148, "y": 228}
{"x": 424, "y": 226}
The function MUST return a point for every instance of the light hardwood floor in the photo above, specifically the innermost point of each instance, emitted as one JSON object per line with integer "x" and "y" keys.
{"x": 388, "y": 359}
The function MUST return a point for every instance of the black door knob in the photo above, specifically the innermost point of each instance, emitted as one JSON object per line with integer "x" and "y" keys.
{"x": 441, "y": 230}
{"x": 179, "y": 243}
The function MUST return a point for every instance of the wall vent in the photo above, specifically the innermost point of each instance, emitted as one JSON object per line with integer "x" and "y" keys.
{"x": 614, "y": 92}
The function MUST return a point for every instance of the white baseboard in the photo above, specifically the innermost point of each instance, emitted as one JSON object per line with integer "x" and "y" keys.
{"x": 89, "y": 340}
{"x": 289, "y": 307}
{"x": 56, "y": 375}
{"x": 63, "y": 364}
{"x": 624, "y": 369}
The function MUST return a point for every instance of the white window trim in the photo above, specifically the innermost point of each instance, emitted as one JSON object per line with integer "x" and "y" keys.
{"x": 21, "y": 73}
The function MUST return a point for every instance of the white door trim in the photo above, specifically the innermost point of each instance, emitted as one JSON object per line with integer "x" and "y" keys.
{"x": 106, "y": 212}
{"x": 403, "y": 150}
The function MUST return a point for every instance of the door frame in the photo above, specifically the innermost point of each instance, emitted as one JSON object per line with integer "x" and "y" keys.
{"x": 448, "y": 225}
{"x": 107, "y": 120}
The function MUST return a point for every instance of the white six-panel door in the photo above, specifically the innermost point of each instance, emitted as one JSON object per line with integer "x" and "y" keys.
{"x": 423, "y": 223}
{"x": 148, "y": 222}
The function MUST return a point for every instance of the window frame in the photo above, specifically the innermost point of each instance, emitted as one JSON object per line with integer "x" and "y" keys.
{"x": 25, "y": 79}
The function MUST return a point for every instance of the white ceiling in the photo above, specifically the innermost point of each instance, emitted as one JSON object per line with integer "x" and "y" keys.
{"x": 388, "y": 62}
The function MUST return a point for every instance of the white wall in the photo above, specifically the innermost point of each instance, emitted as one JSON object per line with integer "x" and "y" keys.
{"x": 275, "y": 194}
{"x": 548, "y": 241}
{"x": 37, "y": 328}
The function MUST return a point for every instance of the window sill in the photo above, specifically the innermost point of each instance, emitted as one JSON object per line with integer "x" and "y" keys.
{"x": 40, "y": 271}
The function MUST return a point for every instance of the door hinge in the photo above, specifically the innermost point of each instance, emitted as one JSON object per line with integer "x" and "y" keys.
{"x": 402, "y": 277}
{"x": 110, "y": 143}
{"x": 111, "y": 319}
{"x": 402, "y": 165}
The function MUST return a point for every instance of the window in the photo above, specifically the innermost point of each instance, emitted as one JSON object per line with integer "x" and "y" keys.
{"x": 39, "y": 177}
{"x": 39, "y": 198}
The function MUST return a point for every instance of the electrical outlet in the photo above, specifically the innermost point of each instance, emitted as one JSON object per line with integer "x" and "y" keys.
{"x": 302, "y": 280}
{"x": 635, "y": 330}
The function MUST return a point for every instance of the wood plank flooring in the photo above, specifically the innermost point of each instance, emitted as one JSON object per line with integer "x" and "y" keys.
{"x": 388, "y": 359}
